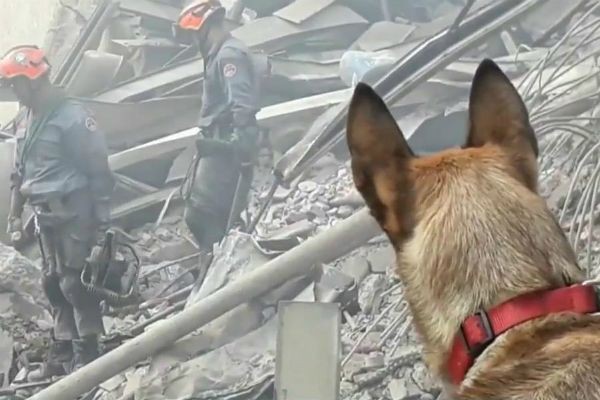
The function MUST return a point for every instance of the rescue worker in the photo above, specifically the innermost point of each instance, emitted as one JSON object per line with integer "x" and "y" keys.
{"x": 227, "y": 142}
{"x": 62, "y": 172}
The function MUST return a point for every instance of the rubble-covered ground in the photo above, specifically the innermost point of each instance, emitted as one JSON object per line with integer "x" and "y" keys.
{"x": 233, "y": 357}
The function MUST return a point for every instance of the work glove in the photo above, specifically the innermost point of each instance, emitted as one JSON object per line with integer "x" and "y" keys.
{"x": 96, "y": 254}
{"x": 102, "y": 216}
{"x": 240, "y": 147}
{"x": 15, "y": 229}
{"x": 244, "y": 144}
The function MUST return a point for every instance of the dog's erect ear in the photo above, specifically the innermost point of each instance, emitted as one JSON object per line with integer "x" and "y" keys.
{"x": 380, "y": 160}
{"x": 372, "y": 130}
{"x": 498, "y": 115}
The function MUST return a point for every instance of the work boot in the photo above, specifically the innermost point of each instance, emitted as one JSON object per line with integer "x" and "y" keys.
{"x": 58, "y": 361}
{"x": 85, "y": 351}
{"x": 60, "y": 357}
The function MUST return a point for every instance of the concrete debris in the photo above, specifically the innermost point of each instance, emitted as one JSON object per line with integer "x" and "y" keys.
{"x": 19, "y": 275}
{"x": 318, "y": 51}
{"x": 381, "y": 259}
{"x": 370, "y": 292}
{"x": 6, "y": 351}
{"x": 25, "y": 320}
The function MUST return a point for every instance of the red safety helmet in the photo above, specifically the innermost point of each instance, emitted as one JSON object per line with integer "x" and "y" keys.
{"x": 27, "y": 61}
{"x": 193, "y": 17}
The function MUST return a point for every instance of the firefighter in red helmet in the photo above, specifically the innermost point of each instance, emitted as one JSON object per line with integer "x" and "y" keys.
{"x": 227, "y": 142}
{"x": 61, "y": 171}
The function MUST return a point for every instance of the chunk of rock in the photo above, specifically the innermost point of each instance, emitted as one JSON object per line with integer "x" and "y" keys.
{"x": 397, "y": 389}
{"x": 420, "y": 375}
{"x": 20, "y": 276}
{"x": 307, "y": 186}
{"x": 345, "y": 211}
{"x": 369, "y": 291}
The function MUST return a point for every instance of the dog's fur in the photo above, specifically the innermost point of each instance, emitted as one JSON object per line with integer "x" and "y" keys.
{"x": 470, "y": 232}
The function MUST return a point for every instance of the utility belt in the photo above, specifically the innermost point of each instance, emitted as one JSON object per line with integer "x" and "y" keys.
{"x": 222, "y": 127}
{"x": 214, "y": 141}
{"x": 56, "y": 210}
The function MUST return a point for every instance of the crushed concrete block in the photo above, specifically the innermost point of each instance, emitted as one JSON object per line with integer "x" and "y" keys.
{"x": 365, "y": 379}
{"x": 369, "y": 291}
{"x": 420, "y": 375}
{"x": 397, "y": 389}
{"x": 280, "y": 194}
{"x": 347, "y": 388}
{"x": 167, "y": 251}
{"x": 381, "y": 259}
{"x": 356, "y": 267}
{"x": 345, "y": 211}
{"x": 296, "y": 216}
{"x": 365, "y": 395}
{"x": 319, "y": 210}
{"x": 352, "y": 199}
{"x": 164, "y": 234}
{"x": 355, "y": 364}
{"x": 307, "y": 186}
{"x": 414, "y": 391}
{"x": 6, "y": 353}
{"x": 375, "y": 360}
{"x": 370, "y": 343}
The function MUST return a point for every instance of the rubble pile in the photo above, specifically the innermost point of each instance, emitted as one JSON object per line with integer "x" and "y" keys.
{"x": 318, "y": 51}
{"x": 321, "y": 198}
{"x": 25, "y": 323}
{"x": 382, "y": 355}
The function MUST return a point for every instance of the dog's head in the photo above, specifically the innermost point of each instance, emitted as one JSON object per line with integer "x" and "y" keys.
{"x": 467, "y": 224}
{"x": 399, "y": 187}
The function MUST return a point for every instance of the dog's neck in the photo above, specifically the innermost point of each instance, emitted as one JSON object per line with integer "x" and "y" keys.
{"x": 472, "y": 253}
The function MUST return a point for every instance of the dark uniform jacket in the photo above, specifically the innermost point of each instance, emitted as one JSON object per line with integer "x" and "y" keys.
{"x": 67, "y": 154}
{"x": 230, "y": 101}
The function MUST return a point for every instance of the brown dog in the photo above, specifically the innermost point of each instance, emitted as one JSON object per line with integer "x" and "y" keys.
{"x": 471, "y": 233}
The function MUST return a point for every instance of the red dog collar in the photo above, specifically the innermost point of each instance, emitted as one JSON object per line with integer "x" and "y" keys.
{"x": 478, "y": 331}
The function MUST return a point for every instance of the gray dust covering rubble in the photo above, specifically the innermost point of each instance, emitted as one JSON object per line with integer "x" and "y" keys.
{"x": 317, "y": 52}
{"x": 24, "y": 316}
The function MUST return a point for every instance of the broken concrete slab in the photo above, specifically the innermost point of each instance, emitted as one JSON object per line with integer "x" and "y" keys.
{"x": 96, "y": 72}
{"x": 397, "y": 389}
{"x": 382, "y": 35}
{"x": 151, "y": 9}
{"x": 21, "y": 276}
{"x": 6, "y": 358}
{"x": 369, "y": 291}
{"x": 381, "y": 259}
{"x": 272, "y": 34}
{"x": 301, "y": 10}
{"x": 430, "y": 57}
